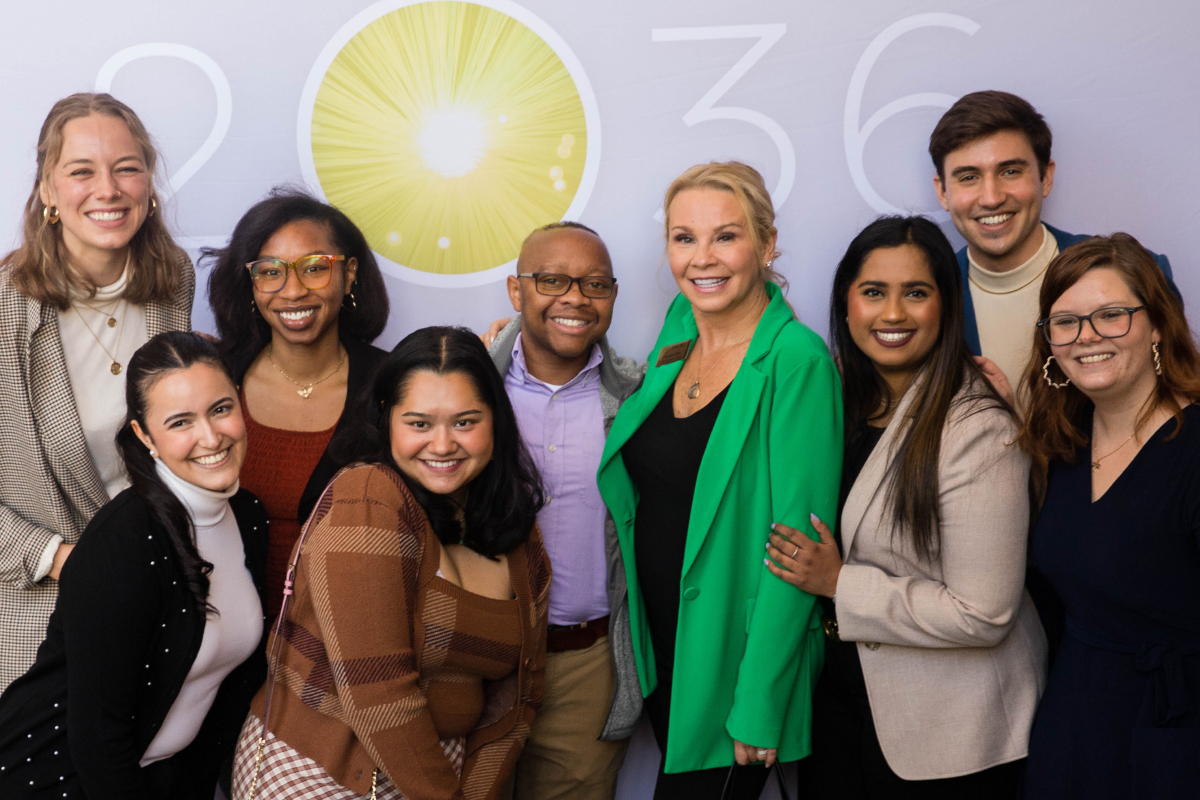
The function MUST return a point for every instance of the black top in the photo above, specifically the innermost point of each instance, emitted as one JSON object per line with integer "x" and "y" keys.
{"x": 842, "y": 673}
{"x": 122, "y": 638}
{"x": 858, "y": 450}
{"x": 1120, "y": 716}
{"x": 363, "y": 358}
{"x": 663, "y": 459}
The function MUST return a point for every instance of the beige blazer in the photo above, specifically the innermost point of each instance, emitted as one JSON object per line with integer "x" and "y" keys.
{"x": 952, "y": 650}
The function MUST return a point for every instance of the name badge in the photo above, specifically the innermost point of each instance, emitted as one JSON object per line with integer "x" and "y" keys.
{"x": 673, "y": 352}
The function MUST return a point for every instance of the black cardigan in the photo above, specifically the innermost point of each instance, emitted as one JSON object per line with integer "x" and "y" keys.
{"x": 120, "y": 643}
{"x": 362, "y": 357}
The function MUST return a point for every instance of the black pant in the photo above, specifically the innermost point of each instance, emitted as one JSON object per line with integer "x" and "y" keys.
{"x": 746, "y": 783}
{"x": 847, "y": 762}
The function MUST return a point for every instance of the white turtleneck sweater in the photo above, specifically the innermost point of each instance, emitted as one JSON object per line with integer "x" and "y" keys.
{"x": 1006, "y": 309}
{"x": 99, "y": 394}
{"x": 229, "y": 638}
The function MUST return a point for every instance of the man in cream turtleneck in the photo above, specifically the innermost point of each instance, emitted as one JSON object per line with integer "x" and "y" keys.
{"x": 992, "y": 155}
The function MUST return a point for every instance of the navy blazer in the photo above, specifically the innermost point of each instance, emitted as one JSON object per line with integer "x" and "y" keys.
{"x": 1065, "y": 240}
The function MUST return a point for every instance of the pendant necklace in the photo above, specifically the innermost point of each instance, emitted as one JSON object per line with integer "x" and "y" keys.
{"x": 1096, "y": 463}
{"x": 305, "y": 388}
{"x": 111, "y": 313}
{"x": 694, "y": 390}
{"x": 115, "y": 367}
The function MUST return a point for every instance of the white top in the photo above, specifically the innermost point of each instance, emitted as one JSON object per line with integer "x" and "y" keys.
{"x": 99, "y": 394}
{"x": 1006, "y": 310}
{"x": 229, "y": 638}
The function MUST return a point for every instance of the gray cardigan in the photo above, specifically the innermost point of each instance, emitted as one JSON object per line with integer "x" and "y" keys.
{"x": 48, "y": 483}
{"x": 619, "y": 378}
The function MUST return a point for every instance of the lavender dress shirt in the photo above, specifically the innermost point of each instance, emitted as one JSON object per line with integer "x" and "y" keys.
{"x": 563, "y": 427}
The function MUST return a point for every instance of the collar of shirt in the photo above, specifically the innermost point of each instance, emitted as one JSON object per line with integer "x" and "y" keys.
{"x": 1019, "y": 277}
{"x": 520, "y": 371}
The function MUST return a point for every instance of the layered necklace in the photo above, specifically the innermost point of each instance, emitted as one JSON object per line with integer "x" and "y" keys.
{"x": 115, "y": 367}
{"x": 305, "y": 389}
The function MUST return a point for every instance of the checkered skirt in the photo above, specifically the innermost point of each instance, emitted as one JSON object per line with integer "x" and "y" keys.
{"x": 287, "y": 774}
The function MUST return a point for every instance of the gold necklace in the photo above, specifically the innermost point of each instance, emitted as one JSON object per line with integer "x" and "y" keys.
{"x": 115, "y": 368}
{"x": 1096, "y": 463}
{"x": 694, "y": 390}
{"x": 111, "y": 314}
{"x": 305, "y": 389}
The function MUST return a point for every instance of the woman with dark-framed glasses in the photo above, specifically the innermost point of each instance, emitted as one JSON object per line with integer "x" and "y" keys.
{"x": 298, "y": 298}
{"x": 1113, "y": 426}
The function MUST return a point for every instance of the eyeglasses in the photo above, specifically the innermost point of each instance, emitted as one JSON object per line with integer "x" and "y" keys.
{"x": 270, "y": 274}
{"x": 556, "y": 285}
{"x": 1108, "y": 323}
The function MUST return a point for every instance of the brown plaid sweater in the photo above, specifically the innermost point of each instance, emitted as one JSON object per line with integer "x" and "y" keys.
{"x": 370, "y": 624}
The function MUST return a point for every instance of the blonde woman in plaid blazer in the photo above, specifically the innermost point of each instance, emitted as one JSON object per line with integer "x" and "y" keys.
{"x": 92, "y": 238}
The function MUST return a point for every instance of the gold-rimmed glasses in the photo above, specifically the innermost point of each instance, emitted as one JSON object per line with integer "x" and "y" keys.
{"x": 269, "y": 275}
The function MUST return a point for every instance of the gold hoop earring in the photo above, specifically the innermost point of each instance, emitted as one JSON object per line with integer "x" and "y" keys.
{"x": 1157, "y": 360}
{"x": 1046, "y": 375}
{"x": 50, "y": 216}
{"x": 153, "y": 207}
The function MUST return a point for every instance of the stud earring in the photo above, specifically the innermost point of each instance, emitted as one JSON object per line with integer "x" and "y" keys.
{"x": 1046, "y": 374}
{"x": 1157, "y": 360}
{"x": 154, "y": 454}
{"x": 50, "y": 216}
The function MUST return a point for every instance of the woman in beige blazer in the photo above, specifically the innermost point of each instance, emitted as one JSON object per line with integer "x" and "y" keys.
{"x": 96, "y": 275}
{"x": 936, "y": 658}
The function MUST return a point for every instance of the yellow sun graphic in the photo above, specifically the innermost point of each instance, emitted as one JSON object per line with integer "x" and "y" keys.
{"x": 448, "y": 131}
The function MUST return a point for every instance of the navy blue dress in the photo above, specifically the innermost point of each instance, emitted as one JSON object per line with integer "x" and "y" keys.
{"x": 1121, "y": 714}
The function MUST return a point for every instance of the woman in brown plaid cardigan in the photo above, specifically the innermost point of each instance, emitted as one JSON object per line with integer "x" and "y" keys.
{"x": 412, "y": 652}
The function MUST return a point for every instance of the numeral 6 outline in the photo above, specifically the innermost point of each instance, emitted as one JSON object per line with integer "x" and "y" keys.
{"x": 220, "y": 85}
{"x": 704, "y": 110}
{"x": 856, "y": 139}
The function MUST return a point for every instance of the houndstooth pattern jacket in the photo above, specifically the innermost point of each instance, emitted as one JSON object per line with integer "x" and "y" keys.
{"x": 48, "y": 483}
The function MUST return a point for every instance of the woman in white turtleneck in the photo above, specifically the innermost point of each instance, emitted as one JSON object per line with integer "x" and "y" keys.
{"x": 156, "y": 645}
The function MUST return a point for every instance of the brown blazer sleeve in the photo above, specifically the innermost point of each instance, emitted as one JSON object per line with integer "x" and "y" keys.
{"x": 361, "y": 564}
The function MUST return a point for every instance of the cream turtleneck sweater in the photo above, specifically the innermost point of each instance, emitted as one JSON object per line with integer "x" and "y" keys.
{"x": 1006, "y": 309}
{"x": 231, "y": 636}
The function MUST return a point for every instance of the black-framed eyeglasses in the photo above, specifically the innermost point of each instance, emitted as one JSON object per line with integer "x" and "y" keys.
{"x": 553, "y": 284}
{"x": 1108, "y": 323}
{"x": 270, "y": 274}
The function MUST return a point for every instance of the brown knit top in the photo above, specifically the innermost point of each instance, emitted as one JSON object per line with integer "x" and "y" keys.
{"x": 381, "y": 658}
{"x": 277, "y": 468}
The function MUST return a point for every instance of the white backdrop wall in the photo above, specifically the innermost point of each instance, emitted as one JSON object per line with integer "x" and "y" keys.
{"x": 833, "y": 102}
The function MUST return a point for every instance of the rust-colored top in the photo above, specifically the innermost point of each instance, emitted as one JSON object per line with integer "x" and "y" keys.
{"x": 373, "y": 635}
{"x": 277, "y": 468}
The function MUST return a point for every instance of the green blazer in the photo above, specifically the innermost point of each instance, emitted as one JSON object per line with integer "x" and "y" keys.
{"x": 749, "y": 647}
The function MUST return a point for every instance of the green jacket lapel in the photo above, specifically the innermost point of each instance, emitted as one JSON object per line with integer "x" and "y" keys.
{"x": 737, "y": 416}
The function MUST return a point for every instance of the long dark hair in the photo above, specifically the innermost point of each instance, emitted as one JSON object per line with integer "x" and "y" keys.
{"x": 504, "y": 498}
{"x": 165, "y": 353}
{"x": 242, "y": 329}
{"x": 913, "y": 488}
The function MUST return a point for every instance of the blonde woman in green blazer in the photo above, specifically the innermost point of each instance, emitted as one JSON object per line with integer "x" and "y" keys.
{"x": 737, "y": 426}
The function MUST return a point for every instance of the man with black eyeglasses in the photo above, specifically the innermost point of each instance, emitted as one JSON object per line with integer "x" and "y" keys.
{"x": 566, "y": 385}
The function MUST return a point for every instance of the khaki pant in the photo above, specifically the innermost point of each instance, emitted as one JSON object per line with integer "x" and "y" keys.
{"x": 563, "y": 757}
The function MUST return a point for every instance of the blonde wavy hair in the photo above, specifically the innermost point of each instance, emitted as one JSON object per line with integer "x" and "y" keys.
{"x": 746, "y": 184}
{"x": 40, "y": 267}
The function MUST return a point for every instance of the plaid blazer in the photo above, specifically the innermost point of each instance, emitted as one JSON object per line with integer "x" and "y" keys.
{"x": 48, "y": 483}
